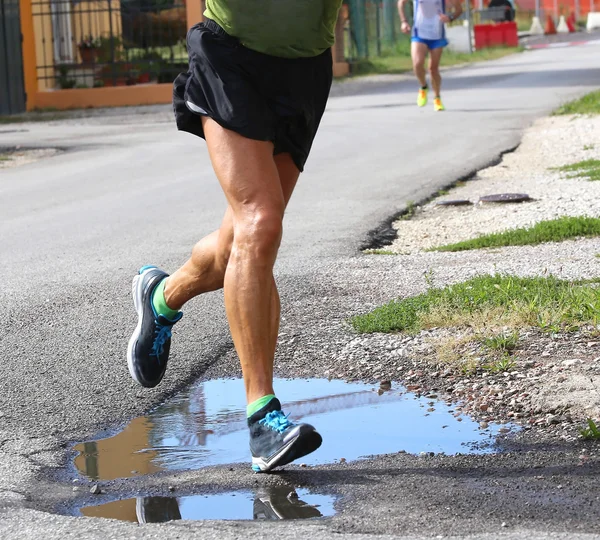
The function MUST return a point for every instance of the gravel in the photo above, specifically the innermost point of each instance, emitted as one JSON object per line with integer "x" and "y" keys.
{"x": 552, "y": 386}
{"x": 18, "y": 157}
{"x": 551, "y": 142}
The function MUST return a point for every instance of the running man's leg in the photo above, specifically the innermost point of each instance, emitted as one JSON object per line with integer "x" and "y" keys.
{"x": 158, "y": 298}
{"x": 204, "y": 271}
{"x": 419, "y": 54}
{"x": 251, "y": 182}
{"x": 250, "y": 179}
{"x": 435, "y": 55}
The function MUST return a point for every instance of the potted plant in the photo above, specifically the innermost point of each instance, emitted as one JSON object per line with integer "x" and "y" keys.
{"x": 88, "y": 47}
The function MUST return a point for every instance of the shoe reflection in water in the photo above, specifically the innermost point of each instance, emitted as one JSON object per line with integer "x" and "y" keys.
{"x": 272, "y": 504}
{"x": 282, "y": 503}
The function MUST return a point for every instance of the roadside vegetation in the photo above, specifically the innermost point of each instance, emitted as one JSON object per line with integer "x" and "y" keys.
{"x": 554, "y": 230}
{"x": 548, "y": 303}
{"x": 591, "y": 432}
{"x": 398, "y": 60}
{"x": 588, "y": 104}
{"x": 588, "y": 169}
{"x": 486, "y": 315}
{"x": 378, "y": 252}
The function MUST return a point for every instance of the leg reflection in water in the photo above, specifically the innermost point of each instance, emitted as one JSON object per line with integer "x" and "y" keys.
{"x": 157, "y": 509}
{"x": 274, "y": 503}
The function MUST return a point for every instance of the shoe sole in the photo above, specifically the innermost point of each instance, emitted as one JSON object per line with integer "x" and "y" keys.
{"x": 137, "y": 293}
{"x": 311, "y": 441}
{"x": 139, "y": 510}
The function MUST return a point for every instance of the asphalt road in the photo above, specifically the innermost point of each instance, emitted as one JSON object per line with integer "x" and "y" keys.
{"x": 130, "y": 190}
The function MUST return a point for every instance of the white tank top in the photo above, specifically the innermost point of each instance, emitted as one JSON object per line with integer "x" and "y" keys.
{"x": 427, "y": 23}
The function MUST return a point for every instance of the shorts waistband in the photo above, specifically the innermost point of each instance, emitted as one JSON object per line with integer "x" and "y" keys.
{"x": 215, "y": 28}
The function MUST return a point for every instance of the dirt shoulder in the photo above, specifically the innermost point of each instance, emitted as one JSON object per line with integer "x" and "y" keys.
{"x": 552, "y": 383}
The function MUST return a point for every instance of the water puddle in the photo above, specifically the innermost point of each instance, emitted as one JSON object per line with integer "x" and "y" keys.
{"x": 268, "y": 504}
{"x": 206, "y": 425}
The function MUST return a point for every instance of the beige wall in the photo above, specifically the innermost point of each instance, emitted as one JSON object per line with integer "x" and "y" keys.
{"x": 86, "y": 19}
{"x": 96, "y": 25}
{"x": 44, "y": 50}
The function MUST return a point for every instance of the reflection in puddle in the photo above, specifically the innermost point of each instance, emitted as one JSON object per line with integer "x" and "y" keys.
{"x": 206, "y": 425}
{"x": 274, "y": 503}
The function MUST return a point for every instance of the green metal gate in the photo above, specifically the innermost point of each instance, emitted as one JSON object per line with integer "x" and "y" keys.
{"x": 374, "y": 27}
{"x": 12, "y": 90}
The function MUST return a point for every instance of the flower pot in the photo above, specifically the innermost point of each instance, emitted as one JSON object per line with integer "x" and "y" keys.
{"x": 116, "y": 81}
{"x": 88, "y": 55}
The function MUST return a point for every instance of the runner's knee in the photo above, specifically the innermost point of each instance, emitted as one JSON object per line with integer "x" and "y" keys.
{"x": 258, "y": 232}
{"x": 418, "y": 63}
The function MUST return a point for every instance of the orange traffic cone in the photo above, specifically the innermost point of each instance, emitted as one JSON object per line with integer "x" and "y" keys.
{"x": 571, "y": 23}
{"x": 550, "y": 27}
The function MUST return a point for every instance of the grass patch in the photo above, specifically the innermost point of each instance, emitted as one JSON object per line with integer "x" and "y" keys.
{"x": 554, "y": 230}
{"x": 501, "y": 342}
{"x": 411, "y": 210}
{"x": 379, "y": 252}
{"x": 37, "y": 115}
{"x": 590, "y": 433}
{"x": 588, "y": 147}
{"x": 588, "y": 104}
{"x": 398, "y": 59}
{"x": 454, "y": 352}
{"x": 589, "y": 168}
{"x": 505, "y": 363}
{"x": 545, "y": 302}
{"x": 4, "y": 158}
{"x": 470, "y": 353}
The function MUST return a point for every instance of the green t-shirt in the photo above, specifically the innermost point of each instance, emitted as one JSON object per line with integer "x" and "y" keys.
{"x": 287, "y": 28}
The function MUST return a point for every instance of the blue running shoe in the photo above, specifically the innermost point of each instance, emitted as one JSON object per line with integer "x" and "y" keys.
{"x": 149, "y": 346}
{"x": 275, "y": 441}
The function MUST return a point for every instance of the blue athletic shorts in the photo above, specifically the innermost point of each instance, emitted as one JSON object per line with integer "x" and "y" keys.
{"x": 431, "y": 43}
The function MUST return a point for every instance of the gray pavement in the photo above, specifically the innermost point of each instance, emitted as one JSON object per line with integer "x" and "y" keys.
{"x": 130, "y": 190}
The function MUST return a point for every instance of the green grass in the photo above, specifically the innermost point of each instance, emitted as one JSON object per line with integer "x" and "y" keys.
{"x": 588, "y": 104}
{"x": 545, "y": 302}
{"x": 590, "y": 433}
{"x": 4, "y": 158}
{"x": 398, "y": 60}
{"x": 554, "y": 230}
{"x": 36, "y": 115}
{"x": 588, "y": 147}
{"x": 176, "y": 53}
{"x": 411, "y": 209}
{"x": 501, "y": 342}
{"x": 505, "y": 363}
{"x": 379, "y": 252}
{"x": 589, "y": 168}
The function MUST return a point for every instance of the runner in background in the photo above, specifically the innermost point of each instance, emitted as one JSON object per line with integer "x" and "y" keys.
{"x": 429, "y": 36}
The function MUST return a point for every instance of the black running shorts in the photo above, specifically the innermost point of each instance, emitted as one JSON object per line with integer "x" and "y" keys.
{"x": 259, "y": 96}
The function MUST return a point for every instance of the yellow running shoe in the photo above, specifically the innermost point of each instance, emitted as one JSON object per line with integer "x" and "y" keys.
{"x": 438, "y": 105}
{"x": 422, "y": 97}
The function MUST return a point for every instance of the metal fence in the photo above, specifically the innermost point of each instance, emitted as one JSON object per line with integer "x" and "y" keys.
{"x": 84, "y": 44}
{"x": 372, "y": 28}
{"x": 12, "y": 91}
